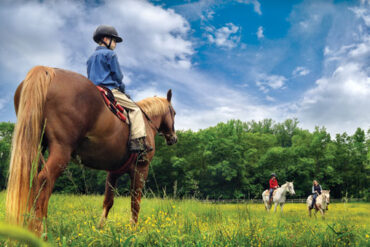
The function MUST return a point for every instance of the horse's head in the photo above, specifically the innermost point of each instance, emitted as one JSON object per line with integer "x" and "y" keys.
{"x": 161, "y": 116}
{"x": 326, "y": 196}
{"x": 290, "y": 188}
{"x": 167, "y": 127}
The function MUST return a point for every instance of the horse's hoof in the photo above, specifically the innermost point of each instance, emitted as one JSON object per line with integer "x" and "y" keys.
{"x": 101, "y": 223}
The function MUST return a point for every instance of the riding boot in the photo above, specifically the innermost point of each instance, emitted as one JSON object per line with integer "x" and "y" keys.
{"x": 137, "y": 145}
{"x": 312, "y": 204}
{"x": 147, "y": 145}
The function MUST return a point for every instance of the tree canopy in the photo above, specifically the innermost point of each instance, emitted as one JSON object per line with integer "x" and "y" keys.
{"x": 234, "y": 160}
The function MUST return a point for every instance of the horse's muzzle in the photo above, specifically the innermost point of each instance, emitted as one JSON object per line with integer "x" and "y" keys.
{"x": 171, "y": 139}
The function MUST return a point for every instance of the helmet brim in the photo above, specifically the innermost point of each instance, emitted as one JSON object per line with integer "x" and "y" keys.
{"x": 118, "y": 39}
{"x": 98, "y": 38}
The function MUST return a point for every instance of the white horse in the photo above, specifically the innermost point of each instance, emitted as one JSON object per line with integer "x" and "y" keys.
{"x": 321, "y": 204}
{"x": 279, "y": 196}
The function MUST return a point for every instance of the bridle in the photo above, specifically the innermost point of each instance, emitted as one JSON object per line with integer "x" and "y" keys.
{"x": 153, "y": 125}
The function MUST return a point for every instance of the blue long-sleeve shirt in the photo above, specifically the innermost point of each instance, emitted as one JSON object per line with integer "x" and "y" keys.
{"x": 103, "y": 68}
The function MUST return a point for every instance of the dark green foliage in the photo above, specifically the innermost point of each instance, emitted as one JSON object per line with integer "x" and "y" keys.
{"x": 233, "y": 160}
{"x": 6, "y": 131}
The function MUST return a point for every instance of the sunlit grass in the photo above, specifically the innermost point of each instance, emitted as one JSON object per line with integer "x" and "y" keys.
{"x": 73, "y": 218}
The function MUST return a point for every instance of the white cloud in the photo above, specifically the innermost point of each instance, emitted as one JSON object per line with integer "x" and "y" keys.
{"x": 259, "y": 33}
{"x": 256, "y": 5}
{"x": 226, "y": 37}
{"x": 32, "y": 37}
{"x": 58, "y": 33}
{"x": 153, "y": 36}
{"x": 202, "y": 101}
{"x": 267, "y": 82}
{"x": 300, "y": 71}
{"x": 340, "y": 99}
{"x": 362, "y": 13}
{"x": 269, "y": 98}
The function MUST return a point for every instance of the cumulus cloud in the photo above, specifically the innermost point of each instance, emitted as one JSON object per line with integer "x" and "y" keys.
{"x": 227, "y": 36}
{"x": 267, "y": 82}
{"x": 256, "y": 5}
{"x": 340, "y": 99}
{"x": 32, "y": 37}
{"x": 58, "y": 33}
{"x": 225, "y": 104}
{"x": 202, "y": 101}
{"x": 300, "y": 71}
{"x": 259, "y": 33}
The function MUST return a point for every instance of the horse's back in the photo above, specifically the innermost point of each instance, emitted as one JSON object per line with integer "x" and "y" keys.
{"x": 73, "y": 103}
{"x": 265, "y": 195}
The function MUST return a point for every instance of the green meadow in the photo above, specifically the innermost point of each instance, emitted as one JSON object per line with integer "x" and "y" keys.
{"x": 73, "y": 221}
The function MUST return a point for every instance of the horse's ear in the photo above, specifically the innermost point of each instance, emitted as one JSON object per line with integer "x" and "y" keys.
{"x": 169, "y": 95}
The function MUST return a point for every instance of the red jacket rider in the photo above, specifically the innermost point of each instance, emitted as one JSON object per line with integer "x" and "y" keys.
{"x": 273, "y": 183}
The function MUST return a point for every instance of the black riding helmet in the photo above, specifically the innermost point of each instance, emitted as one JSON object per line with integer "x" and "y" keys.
{"x": 273, "y": 175}
{"x": 106, "y": 31}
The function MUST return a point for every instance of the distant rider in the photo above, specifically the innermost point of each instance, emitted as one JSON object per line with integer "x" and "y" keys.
{"x": 273, "y": 185}
{"x": 103, "y": 69}
{"x": 316, "y": 191}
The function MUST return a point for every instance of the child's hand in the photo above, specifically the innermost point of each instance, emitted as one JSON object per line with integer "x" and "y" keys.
{"x": 122, "y": 88}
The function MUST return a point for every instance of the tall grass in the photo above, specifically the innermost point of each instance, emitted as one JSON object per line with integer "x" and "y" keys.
{"x": 165, "y": 222}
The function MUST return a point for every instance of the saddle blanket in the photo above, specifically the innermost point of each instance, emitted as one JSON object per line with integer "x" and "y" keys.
{"x": 112, "y": 104}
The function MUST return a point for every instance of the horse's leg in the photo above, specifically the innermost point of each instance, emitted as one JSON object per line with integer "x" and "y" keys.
{"x": 281, "y": 206}
{"x": 322, "y": 213}
{"x": 309, "y": 211}
{"x": 138, "y": 176}
{"x": 110, "y": 186}
{"x": 276, "y": 204}
{"x": 55, "y": 165}
{"x": 267, "y": 206}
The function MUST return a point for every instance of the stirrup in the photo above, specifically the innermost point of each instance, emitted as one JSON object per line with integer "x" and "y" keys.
{"x": 139, "y": 145}
{"x": 136, "y": 146}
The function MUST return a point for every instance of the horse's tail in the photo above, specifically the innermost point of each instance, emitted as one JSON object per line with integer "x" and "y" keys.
{"x": 25, "y": 156}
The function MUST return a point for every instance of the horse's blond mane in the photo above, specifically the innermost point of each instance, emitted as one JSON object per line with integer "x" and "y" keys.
{"x": 286, "y": 184}
{"x": 154, "y": 106}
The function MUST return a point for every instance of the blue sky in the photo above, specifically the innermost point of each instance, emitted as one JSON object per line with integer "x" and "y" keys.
{"x": 241, "y": 59}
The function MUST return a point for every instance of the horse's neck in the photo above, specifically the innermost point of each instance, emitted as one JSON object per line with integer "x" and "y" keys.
{"x": 321, "y": 200}
{"x": 155, "y": 122}
{"x": 281, "y": 191}
{"x": 284, "y": 189}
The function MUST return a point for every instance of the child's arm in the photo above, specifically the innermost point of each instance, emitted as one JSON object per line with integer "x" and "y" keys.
{"x": 115, "y": 69}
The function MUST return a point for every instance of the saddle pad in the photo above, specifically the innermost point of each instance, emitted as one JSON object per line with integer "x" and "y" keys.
{"x": 112, "y": 104}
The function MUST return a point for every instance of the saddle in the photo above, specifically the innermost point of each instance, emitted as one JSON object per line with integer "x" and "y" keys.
{"x": 112, "y": 104}
{"x": 316, "y": 206}
{"x": 268, "y": 193}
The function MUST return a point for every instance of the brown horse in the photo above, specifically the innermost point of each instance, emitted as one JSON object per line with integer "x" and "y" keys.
{"x": 76, "y": 123}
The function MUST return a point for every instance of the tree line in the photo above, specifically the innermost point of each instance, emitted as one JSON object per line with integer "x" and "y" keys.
{"x": 234, "y": 160}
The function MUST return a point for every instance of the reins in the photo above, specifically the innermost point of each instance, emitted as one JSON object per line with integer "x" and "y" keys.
{"x": 150, "y": 120}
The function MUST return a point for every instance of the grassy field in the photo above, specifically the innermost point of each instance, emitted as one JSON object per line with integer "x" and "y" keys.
{"x": 72, "y": 222}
